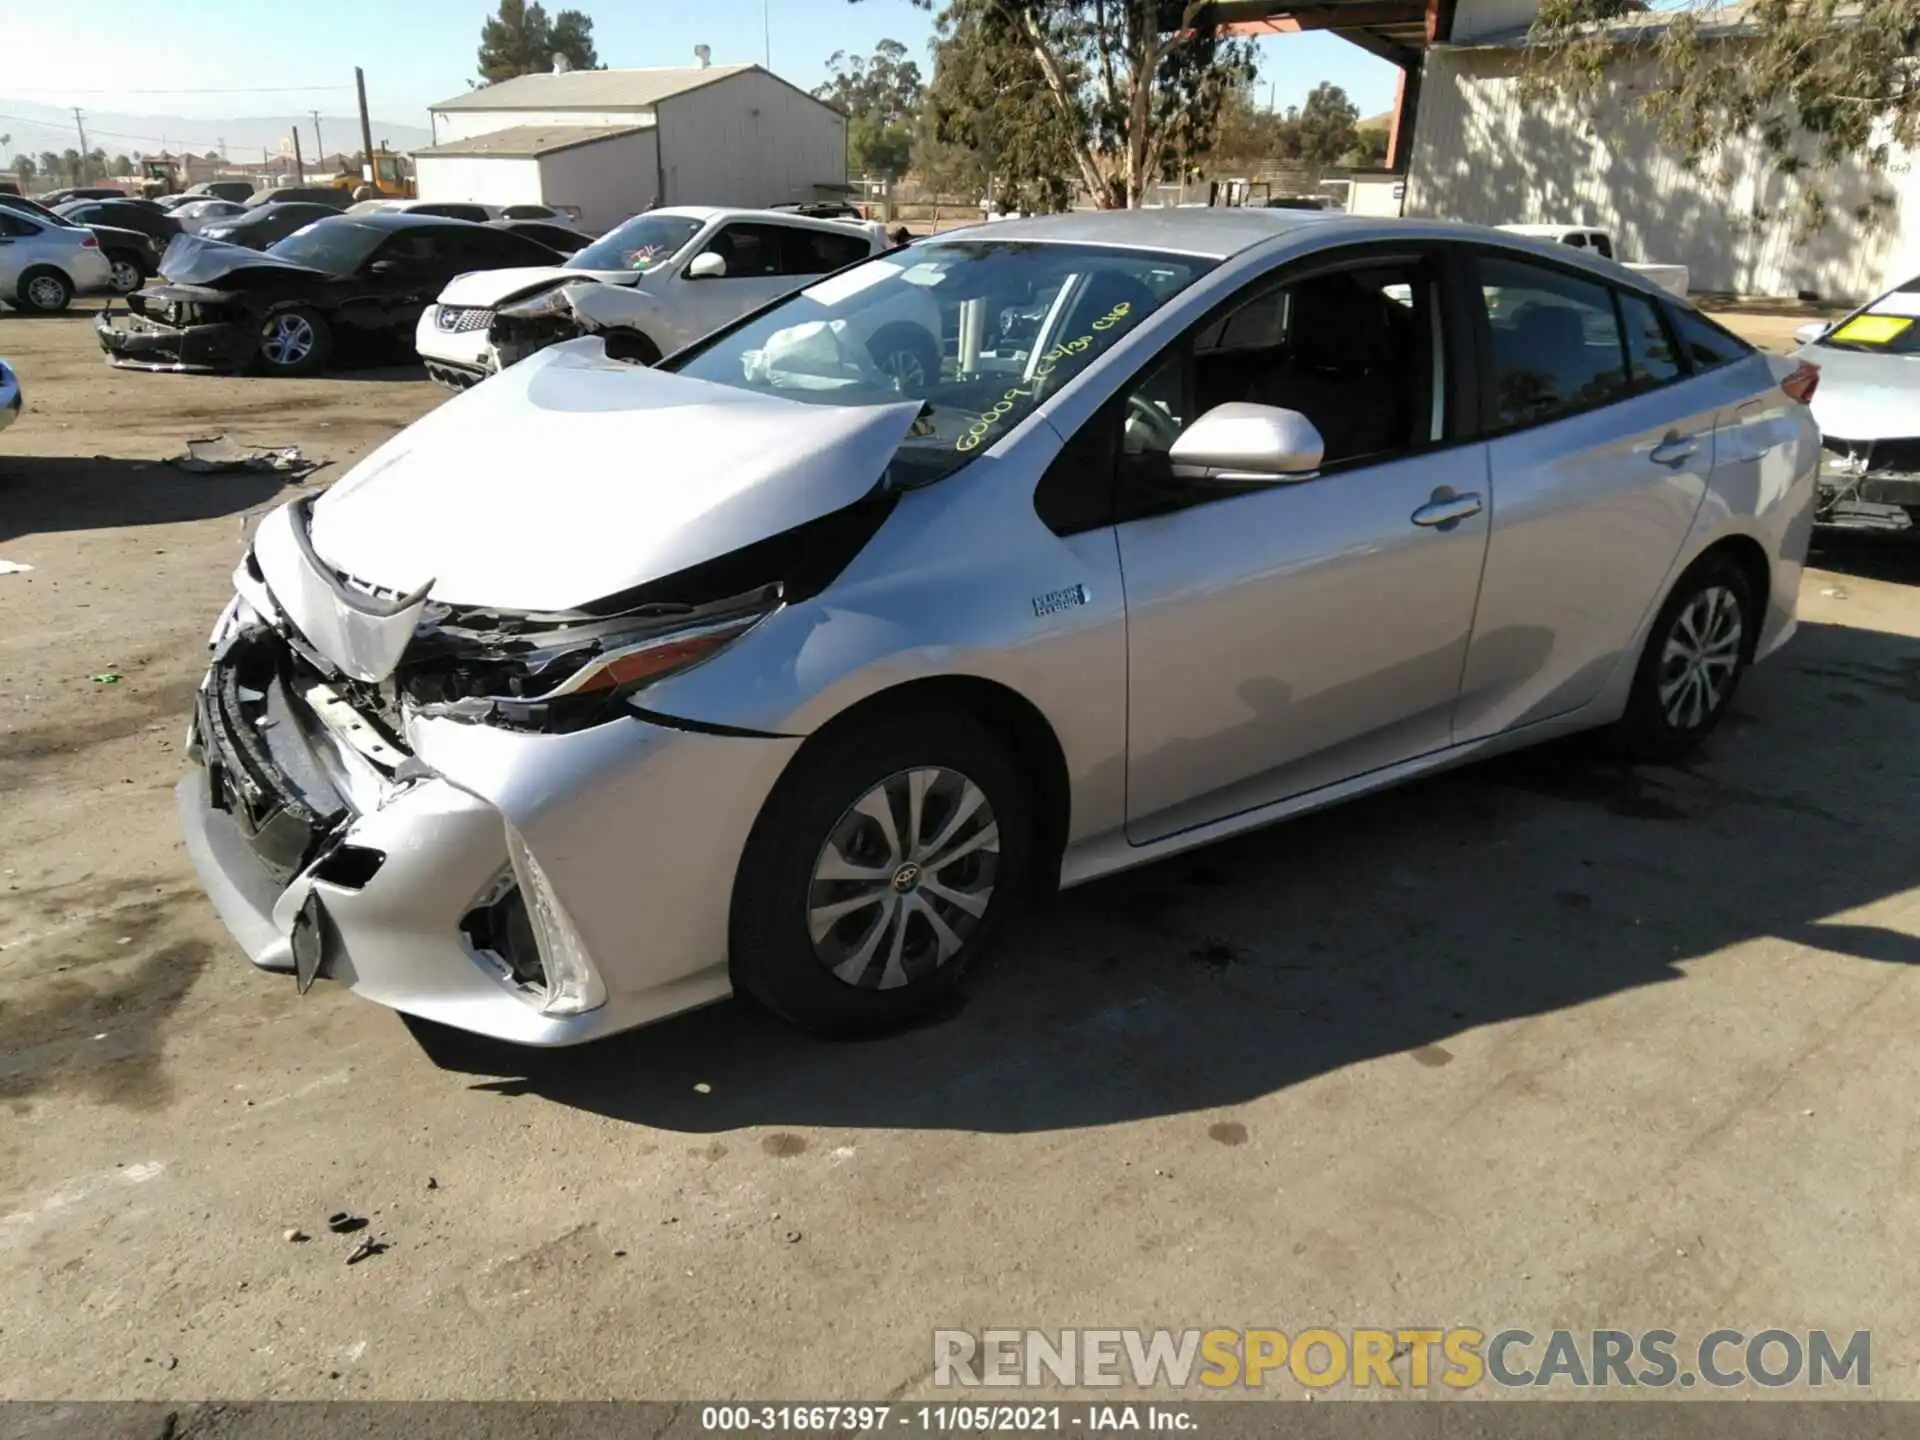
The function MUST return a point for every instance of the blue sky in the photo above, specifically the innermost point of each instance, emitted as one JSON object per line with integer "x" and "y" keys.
{"x": 113, "y": 55}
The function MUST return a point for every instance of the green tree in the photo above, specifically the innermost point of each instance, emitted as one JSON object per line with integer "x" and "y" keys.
{"x": 72, "y": 166}
{"x": 1817, "y": 82}
{"x": 49, "y": 167}
{"x": 24, "y": 168}
{"x": 123, "y": 164}
{"x": 881, "y": 95}
{"x": 1246, "y": 134}
{"x": 520, "y": 40}
{"x": 1117, "y": 94}
{"x": 1322, "y": 130}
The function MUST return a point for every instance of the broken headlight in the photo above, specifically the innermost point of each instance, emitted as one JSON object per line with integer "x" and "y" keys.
{"x": 564, "y": 672}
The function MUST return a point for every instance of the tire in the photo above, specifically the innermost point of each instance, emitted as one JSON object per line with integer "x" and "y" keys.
{"x": 631, "y": 346}
{"x": 44, "y": 291}
{"x": 1700, "y": 645}
{"x": 294, "y": 340}
{"x": 908, "y": 354}
{"x": 792, "y": 924}
{"x": 127, "y": 274}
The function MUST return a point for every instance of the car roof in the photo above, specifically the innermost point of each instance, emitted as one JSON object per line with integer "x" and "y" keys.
{"x": 1197, "y": 230}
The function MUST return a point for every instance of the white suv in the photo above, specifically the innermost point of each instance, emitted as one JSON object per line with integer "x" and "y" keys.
{"x": 690, "y": 270}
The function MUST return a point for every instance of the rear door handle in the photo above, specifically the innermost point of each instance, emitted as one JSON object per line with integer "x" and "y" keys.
{"x": 1443, "y": 512}
{"x": 1674, "y": 449}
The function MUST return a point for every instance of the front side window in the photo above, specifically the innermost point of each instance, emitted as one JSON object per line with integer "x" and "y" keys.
{"x": 639, "y": 245}
{"x": 752, "y": 252}
{"x": 338, "y": 247}
{"x": 992, "y": 328}
{"x": 1351, "y": 349}
{"x": 820, "y": 252}
{"x": 1556, "y": 346}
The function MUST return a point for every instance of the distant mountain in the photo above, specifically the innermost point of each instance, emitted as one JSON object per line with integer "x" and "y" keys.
{"x": 36, "y": 127}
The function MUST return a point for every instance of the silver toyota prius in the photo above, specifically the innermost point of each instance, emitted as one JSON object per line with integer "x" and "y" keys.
{"x": 609, "y": 690}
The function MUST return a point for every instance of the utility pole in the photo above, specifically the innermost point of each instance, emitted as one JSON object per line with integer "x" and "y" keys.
{"x": 80, "y": 125}
{"x": 223, "y": 148}
{"x": 366, "y": 130}
{"x": 766, "y": 33}
{"x": 299, "y": 166}
{"x": 319, "y": 145}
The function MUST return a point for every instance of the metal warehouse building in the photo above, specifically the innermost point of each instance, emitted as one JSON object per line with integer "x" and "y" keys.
{"x": 611, "y": 141}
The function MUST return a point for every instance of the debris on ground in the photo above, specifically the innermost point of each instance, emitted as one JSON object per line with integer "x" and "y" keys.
{"x": 367, "y": 1249}
{"x": 13, "y": 567}
{"x": 106, "y": 677}
{"x": 793, "y": 1237}
{"x": 344, "y": 1222}
{"x": 294, "y": 1235}
{"x": 216, "y": 454}
{"x": 432, "y": 1184}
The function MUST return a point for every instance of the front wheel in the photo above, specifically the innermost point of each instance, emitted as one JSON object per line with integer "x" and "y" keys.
{"x": 127, "y": 274}
{"x": 880, "y": 867}
{"x": 294, "y": 340}
{"x": 1700, "y": 645}
{"x": 44, "y": 292}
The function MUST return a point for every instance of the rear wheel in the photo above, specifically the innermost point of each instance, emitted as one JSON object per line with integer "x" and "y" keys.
{"x": 1699, "y": 647}
{"x": 294, "y": 340}
{"x": 44, "y": 292}
{"x": 878, "y": 871}
{"x": 127, "y": 273}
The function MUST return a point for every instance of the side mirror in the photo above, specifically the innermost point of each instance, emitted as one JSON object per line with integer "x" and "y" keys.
{"x": 1245, "y": 444}
{"x": 1811, "y": 331}
{"x": 707, "y": 266}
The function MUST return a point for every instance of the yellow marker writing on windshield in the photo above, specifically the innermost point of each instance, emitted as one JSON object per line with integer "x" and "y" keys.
{"x": 981, "y": 427}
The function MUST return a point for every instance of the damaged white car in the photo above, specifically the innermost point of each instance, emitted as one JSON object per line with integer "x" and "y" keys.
{"x": 606, "y": 690}
{"x": 677, "y": 274}
{"x": 1868, "y": 410}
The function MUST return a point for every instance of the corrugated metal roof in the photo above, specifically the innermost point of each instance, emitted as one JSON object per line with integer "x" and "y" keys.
{"x": 591, "y": 89}
{"x": 527, "y": 141}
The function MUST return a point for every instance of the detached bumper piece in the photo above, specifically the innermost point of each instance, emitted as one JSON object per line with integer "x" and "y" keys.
{"x": 135, "y": 341}
{"x": 454, "y": 377}
{"x": 1870, "y": 485}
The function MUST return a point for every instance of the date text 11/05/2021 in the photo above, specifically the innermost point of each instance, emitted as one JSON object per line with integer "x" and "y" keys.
{"x": 938, "y": 1419}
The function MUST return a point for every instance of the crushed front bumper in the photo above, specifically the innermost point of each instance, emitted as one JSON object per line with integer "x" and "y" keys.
{"x": 139, "y": 342}
{"x": 336, "y": 847}
{"x": 1870, "y": 485}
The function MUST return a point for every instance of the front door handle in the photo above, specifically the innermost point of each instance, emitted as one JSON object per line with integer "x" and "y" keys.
{"x": 1674, "y": 449}
{"x": 1446, "y": 509}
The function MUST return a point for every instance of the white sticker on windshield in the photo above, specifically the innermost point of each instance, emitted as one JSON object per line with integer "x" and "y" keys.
{"x": 1900, "y": 302}
{"x": 841, "y": 287}
{"x": 925, "y": 274}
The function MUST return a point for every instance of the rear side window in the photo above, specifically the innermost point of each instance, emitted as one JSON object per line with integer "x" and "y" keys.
{"x": 1705, "y": 345}
{"x": 448, "y": 210}
{"x": 16, "y": 225}
{"x": 1556, "y": 346}
{"x": 1651, "y": 357}
{"x": 816, "y": 252}
{"x": 1602, "y": 245}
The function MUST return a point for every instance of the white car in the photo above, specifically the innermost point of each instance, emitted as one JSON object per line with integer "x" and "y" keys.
{"x": 45, "y": 263}
{"x": 472, "y": 210}
{"x": 1674, "y": 279}
{"x": 690, "y": 269}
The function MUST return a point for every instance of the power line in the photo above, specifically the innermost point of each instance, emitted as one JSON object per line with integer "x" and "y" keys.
{"x": 121, "y": 90}
{"x": 112, "y": 134}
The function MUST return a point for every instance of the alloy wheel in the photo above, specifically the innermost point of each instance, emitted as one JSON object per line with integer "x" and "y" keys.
{"x": 288, "y": 340}
{"x": 1701, "y": 655}
{"x": 126, "y": 277}
{"x": 905, "y": 367}
{"x": 46, "y": 293}
{"x": 904, "y": 878}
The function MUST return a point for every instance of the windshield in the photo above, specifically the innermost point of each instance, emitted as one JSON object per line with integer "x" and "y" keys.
{"x": 640, "y": 244}
{"x": 337, "y": 246}
{"x": 980, "y": 331}
{"x": 1889, "y": 326}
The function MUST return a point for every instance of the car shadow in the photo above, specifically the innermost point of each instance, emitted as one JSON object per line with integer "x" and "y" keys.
{"x": 1524, "y": 885}
{"x": 1893, "y": 558}
{"x": 42, "y": 494}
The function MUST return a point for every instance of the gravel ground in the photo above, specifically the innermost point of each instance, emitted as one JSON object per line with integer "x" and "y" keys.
{"x": 1531, "y": 1044}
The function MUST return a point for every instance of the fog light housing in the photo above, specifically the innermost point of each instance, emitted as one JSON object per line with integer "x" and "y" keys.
{"x": 573, "y": 985}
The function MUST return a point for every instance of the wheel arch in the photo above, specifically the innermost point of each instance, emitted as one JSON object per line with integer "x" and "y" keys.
{"x": 1751, "y": 557}
{"x": 1011, "y": 715}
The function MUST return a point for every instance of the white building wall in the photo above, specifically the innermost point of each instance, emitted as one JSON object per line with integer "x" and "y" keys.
{"x": 489, "y": 180}
{"x": 749, "y": 140}
{"x": 1481, "y": 155}
{"x": 609, "y": 180}
{"x": 451, "y": 125}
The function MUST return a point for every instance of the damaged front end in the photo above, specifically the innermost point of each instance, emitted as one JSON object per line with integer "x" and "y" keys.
{"x": 1869, "y": 485}
{"x": 569, "y": 311}
{"x": 186, "y": 328}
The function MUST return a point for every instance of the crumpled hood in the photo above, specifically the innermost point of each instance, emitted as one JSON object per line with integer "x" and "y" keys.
{"x": 570, "y": 477}
{"x": 197, "y": 260}
{"x": 490, "y": 289}
{"x": 1864, "y": 396}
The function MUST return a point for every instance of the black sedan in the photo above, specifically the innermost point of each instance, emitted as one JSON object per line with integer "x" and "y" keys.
{"x": 557, "y": 237}
{"x": 133, "y": 255}
{"x": 268, "y": 225}
{"x": 332, "y": 197}
{"x": 149, "y": 220}
{"x": 349, "y": 287}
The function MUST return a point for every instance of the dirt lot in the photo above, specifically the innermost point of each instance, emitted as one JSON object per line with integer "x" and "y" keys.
{"x": 1532, "y": 1044}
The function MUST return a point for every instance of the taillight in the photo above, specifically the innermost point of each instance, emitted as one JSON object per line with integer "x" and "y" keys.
{"x": 90, "y": 242}
{"x": 1801, "y": 384}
